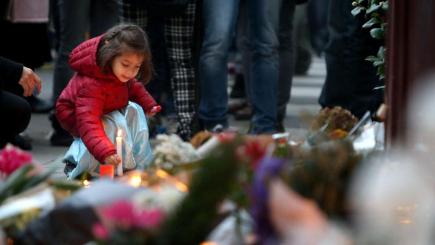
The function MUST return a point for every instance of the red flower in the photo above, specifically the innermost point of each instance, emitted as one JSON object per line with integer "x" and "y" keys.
{"x": 254, "y": 151}
{"x": 12, "y": 158}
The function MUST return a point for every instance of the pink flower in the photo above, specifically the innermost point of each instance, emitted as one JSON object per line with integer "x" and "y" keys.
{"x": 121, "y": 213}
{"x": 149, "y": 218}
{"x": 12, "y": 158}
{"x": 100, "y": 232}
{"x": 124, "y": 215}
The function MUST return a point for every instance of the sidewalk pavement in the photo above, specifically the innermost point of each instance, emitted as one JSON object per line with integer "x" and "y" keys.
{"x": 305, "y": 91}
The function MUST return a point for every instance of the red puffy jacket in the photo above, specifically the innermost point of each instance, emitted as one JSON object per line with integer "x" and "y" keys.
{"x": 90, "y": 94}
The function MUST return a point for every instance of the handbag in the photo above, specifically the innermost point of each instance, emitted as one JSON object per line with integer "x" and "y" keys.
{"x": 28, "y": 11}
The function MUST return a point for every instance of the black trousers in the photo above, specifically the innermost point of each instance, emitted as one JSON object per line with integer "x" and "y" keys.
{"x": 15, "y": 113}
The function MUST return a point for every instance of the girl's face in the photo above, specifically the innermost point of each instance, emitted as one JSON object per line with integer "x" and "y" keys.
{"x": 126, "y": 66}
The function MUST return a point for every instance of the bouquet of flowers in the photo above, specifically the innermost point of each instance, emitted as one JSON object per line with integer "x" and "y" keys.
{"x": 124, "y": 223}
{"x": 171, "y": 152}
{"x": 26, "y": 190}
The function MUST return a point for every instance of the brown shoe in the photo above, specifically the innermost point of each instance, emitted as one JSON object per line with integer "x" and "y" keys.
{"x": 243, "y": 114}
{"x": 236, "y": 104}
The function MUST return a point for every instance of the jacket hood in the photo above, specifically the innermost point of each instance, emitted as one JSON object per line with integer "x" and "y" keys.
{"x": 83, "y": 59}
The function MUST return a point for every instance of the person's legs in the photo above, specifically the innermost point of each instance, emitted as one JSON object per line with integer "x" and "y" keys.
{"x": 285, "y": 50}
{"x": 179, "y": 38}
{"x": 73, "y": 23}
{"x": 104, "y": 15}
{"x": 263, "y": 44}
{"x": 219, "y": 18}
{"x": 16, "y": 111}
{"x": 350, "y": 78}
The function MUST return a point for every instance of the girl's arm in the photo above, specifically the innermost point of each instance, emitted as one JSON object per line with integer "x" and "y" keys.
{"x": 138, "y": 94}
{"x": 89, "y": 110}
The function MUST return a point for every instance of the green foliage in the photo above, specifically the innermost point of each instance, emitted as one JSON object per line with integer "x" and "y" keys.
{"x": 193, "y": 220}
{"x": 375, "y": 11}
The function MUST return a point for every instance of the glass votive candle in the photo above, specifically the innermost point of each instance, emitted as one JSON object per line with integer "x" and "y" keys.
{"x": 107, "y": 170}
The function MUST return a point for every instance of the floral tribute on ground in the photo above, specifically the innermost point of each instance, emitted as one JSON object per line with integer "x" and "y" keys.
{"x": 224, "y": 188}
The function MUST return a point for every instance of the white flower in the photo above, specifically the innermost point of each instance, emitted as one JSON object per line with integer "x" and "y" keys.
{"x": 171, "y": 150}
{"x": 166, "y": 197}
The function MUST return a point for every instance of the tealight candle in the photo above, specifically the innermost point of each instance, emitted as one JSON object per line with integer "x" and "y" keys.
{"x": 119, "y": 170}
{"x": 106, "y": 170}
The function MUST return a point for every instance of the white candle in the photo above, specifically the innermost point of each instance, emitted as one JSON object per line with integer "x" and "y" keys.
{"x": 119, "y": 171}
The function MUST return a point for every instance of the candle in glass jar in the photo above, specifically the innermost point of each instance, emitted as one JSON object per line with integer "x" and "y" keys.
{"x": 106, "y": 170}
{"x": 119, "y": 171}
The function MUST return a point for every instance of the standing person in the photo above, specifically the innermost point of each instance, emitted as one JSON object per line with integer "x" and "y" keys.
{"x": 76, "y": 18}
{"x": 16, "y": 80}
{"x": 24, "y": 19}
{"x": 350, "y": 79}
{"x": 219, "y": 17}
{"x": 178, "y": 23}
{"x": 95, "y": 104}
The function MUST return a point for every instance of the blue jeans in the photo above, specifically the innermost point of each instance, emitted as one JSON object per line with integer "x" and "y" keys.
{"x": 219, "y": 18}
{"x": 75, "y": 18}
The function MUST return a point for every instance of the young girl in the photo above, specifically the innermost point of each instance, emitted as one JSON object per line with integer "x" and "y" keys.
{"x": 95, "y": 104}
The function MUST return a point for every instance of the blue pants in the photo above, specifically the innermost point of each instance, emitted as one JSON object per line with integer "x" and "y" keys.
{"x": 219, "y": 24}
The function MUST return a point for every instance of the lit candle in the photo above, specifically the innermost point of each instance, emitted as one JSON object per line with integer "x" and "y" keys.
{"x": 119, "y": 171}
{"x": 106, "y": 170}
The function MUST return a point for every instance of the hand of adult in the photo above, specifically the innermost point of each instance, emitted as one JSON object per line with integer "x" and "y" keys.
{"x": 29, "y": 80}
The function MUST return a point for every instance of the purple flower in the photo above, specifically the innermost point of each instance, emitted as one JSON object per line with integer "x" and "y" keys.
{"x": 268, "y": 167}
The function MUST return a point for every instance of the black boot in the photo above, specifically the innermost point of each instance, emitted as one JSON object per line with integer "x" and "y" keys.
{"x": 60, "y": 136}
{"x": 21, "y": 142}
{"x": 38, "y": 105}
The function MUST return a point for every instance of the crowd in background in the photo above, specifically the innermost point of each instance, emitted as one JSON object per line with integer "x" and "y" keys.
{"x": 192, "y": 43}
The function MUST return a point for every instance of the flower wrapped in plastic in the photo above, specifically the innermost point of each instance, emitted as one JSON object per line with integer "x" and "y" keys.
{"x": 171, "y": 151}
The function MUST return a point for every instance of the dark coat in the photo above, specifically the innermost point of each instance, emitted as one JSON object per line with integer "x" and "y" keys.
{"x": 10, "y": 72}
{"x": 90, "y": 94}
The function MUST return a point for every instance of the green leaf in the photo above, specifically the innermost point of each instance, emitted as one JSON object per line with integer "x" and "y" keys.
{"x": 377, "y": 33}
{"x": 373, "y": 8}
{"x": 378, "y": 63}
{"x": 15, "y": 182}
{"x": 371, "y": 22}
{"x": 372, "y": 58}
{"x": 381, "y": 52}
{"x": 356, "y": 11}
{"x": 385, "y": 5}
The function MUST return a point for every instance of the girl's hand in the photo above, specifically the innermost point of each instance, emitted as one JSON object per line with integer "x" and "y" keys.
{"x": 113, "y": 159}
{"x": 154, "y": 110}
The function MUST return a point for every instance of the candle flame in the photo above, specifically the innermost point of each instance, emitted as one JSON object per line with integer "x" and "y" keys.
{"x": 162, "y": 174}
{"x": 181, "y": 186}
{"x": 135, "y": 180}
{"x": 209, "y": 243}
{"x": 86, "y": 183}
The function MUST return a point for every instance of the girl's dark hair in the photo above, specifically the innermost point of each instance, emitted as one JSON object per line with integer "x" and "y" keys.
{"x": 125, "y": 38}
